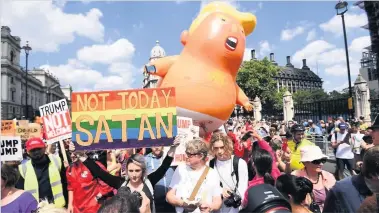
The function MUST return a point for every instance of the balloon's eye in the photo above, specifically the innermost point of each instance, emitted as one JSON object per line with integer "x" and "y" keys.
{"x": 223, "y": 19}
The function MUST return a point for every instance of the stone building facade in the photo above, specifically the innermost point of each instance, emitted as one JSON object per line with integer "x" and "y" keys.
{"x": 43, "y": 87}
{"x": 293, "y": 78}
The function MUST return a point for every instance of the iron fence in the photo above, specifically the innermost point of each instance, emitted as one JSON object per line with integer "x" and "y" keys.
{"x": 322, "y": 110}
{"x": 323, "y": 143}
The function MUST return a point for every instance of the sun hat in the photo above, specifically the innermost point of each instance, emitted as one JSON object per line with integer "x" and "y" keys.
{"x": 311, "y": 153}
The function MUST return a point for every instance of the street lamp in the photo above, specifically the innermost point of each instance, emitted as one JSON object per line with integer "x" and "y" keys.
{"x": 341, "y": 8}
{"x": 27, "y": 50}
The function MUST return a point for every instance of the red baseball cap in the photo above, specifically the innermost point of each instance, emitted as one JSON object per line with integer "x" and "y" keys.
{"x": 34, "y": 143}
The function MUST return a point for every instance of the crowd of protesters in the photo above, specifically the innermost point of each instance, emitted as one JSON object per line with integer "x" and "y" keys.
{"x": 221, "y": 173}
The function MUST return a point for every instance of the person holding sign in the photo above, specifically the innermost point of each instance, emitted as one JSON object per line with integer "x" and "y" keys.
{"x": 85, "y": 193}
{"x": 43, "y": 175}
{"x": 136, "y": 180}
{"x": 14, "y": 200}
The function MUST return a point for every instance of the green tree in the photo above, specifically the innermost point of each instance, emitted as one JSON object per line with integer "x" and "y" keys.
{"x": 256, "y": 78}
{"x": 302, "y": 96}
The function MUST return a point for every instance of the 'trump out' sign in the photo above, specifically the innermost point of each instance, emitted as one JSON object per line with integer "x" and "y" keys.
{"x": 56, "y": 121}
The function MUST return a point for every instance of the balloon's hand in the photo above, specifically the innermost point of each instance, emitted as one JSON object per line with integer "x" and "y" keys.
{"x": 248, "y": 106}
{"x": 151, "y": 69}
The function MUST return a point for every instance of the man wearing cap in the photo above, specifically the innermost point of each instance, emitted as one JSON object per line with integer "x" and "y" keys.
{"x": 344, "y": 153}
{"x": 43, "y": 175}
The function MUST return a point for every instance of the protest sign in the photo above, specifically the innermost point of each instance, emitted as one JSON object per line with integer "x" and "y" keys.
{"x": 11, "y": 149}
{"x": 8, "y": 127}
{"x": 123, "y": 119}
{"x": 186, "y": 133}
{"x": 28, "y": 130}
{"x": 56, "y": 121}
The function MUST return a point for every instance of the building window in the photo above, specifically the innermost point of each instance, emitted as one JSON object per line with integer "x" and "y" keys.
{"x": 13, "y": 95}
{"x": 12, "y": 56}
{"x": 372, "y": 74}
{"x": 12, "y": 80}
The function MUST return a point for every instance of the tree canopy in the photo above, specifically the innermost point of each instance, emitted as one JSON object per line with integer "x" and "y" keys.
{"x": 307, "y": 96}
{"x": 256, "y": 78}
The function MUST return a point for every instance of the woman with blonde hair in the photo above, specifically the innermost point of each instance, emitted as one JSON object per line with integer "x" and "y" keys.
{"x": 137, "y": 179}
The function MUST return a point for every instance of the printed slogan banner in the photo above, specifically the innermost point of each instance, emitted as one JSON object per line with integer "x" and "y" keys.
{"x": 11, "y": 148}
{"x": 56, "y": 121}
{"x": 123, "y": 119}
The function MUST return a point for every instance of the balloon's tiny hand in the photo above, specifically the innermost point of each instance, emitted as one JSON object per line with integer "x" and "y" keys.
{"x": 248, "y": 106}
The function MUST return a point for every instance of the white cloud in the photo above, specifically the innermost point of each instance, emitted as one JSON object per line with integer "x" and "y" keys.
{"x": 311, "y": 52}
{"x": 333, "y": 59}
{"x": 121, "y": 50}
{"x": 120, "y": 73}
{"x": 46, "y": 26}
{"x": 311, "y": 35}
{"x": 264, "y": 48}
{"x": 289, "y": 34}
{"x": 359, "y": 43}
{"x": 352, "y": 21}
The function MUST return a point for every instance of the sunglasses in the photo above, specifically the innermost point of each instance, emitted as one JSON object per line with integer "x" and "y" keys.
{"x": 319, "y": 161}
{"x": 190, "y": 155}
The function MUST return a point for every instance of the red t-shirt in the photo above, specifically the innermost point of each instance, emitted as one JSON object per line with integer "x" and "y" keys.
{"x": 85, "y": 187}
{"x": 275, "y": 172}
{"x": 241, "y": 151}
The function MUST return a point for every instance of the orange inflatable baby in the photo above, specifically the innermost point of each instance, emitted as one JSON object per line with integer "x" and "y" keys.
{"x": 204, "y": 74}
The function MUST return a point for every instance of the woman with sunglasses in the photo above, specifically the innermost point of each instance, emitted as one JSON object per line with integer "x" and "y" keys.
{"x": 313, "y": 159}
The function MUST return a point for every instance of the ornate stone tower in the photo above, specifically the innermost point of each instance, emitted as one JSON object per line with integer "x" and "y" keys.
{"x": 150, "y": 81}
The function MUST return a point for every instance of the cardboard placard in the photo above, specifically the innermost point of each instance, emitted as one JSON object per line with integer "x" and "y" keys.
{"x": 11, "y": 149}
{"x": 56, "y": 121}
{"x": 8, "y": 128}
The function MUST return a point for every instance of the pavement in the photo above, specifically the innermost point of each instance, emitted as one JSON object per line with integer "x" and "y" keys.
{"x": 330, "y": 166}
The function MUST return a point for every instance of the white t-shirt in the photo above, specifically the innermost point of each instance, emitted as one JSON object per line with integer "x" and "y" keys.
{"x": 185, "y": 179}
{"x": 344, "y": 149}
{"x": 224, "y": 169}
{"x": 356, "y": 140}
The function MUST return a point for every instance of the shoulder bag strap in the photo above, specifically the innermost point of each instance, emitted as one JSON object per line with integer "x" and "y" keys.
{"x": 235, "y": 168}
{"x": 198, "y": 184}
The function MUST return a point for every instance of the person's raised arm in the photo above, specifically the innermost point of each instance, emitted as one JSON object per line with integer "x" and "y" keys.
{"x": 158, "y": 174}
{"x": 97, "y": 171}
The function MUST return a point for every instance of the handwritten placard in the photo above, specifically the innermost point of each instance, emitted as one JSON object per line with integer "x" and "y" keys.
{"x": 123, "y": 119}
{"x": 8, "y": 127}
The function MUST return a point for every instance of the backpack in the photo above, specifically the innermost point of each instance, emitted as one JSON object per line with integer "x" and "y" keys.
{"x": 235, "y": 167}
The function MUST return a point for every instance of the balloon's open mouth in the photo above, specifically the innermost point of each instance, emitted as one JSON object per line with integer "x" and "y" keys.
{"x": 231, "y": 43}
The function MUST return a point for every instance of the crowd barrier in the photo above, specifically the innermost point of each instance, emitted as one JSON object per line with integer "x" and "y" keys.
{"x": 323, "y": 143}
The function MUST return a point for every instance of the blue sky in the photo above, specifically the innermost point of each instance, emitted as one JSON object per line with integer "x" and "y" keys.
{"x": 104, "y": 45}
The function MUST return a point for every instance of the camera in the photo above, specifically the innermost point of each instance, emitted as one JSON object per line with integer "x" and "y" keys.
{"x": 246, "y": 136}
{"x": 139, "y": 197}
{"x": 234, "y": 200}
{"x": 266, "y": 198}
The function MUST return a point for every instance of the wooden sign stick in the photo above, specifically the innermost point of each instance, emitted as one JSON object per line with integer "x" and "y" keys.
{"x": 63, "y": 150}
